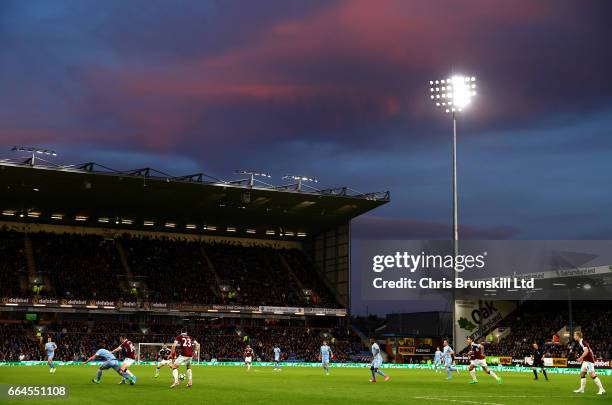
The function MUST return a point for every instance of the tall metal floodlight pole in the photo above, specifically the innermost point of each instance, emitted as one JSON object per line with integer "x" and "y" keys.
{"x": 453, "y": 95}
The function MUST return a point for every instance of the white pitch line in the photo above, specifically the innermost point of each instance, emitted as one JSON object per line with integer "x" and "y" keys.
{"x": 515, "y": 396}
{"x": 462, "y": 401}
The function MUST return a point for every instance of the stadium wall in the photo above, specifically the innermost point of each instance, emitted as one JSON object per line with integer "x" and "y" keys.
{"x": 330, "y": 252}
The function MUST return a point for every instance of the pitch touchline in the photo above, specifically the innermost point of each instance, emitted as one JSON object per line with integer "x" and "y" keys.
{"x": 458, "y": 401}
{"x": 514, "y": 396}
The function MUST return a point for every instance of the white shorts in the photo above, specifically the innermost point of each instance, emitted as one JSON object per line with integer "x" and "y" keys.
{"x": 248, "y": 359}
{"x": 164, "y": 362}
{"x": 479, "y": 362}
{"x": 587, "y": 367}
{"x": 127, "y": 362}
{"x": 182, "y": 360}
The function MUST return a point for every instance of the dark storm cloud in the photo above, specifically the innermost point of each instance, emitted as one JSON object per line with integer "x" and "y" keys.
{"x": 336, "y": 89}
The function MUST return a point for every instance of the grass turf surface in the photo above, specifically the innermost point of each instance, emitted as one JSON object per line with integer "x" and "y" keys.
{"x": 305, "y": 385}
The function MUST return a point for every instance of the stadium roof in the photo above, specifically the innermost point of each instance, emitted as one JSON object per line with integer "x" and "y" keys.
{"x": 95, "y": 195}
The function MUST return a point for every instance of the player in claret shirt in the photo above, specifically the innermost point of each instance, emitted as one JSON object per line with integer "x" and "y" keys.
{"x": 248, "y": 357}
{"x": 477, "y": 358}
{"x": 128, "y": 353}
{"x": 588, "y": 365}
{"x": 183, "y": 344}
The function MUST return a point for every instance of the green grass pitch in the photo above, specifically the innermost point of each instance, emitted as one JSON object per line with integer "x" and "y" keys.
{"x": 304, "y": 385}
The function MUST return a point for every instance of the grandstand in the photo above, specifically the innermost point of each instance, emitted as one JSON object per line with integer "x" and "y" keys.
{"x": 86, "y": 247}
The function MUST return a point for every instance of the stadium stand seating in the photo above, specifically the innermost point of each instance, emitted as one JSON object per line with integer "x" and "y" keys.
{"x": 13, "y": 272}
{"x": 167, "y": 270}
{"x": 78, "y": 266}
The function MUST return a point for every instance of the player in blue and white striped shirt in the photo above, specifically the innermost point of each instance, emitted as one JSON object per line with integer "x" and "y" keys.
{"x": 110, "y": 361}
{"x": 50, "y": 348}
{"x": 448, "y": 353}
{"x": 277, "y": 353}
{"x": 325, "y": 355}
{"x": 377, "y": 361}
{"x": 437, "y": 359}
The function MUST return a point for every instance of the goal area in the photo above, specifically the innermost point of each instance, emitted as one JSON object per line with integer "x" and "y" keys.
{"x": 149, "y": 352}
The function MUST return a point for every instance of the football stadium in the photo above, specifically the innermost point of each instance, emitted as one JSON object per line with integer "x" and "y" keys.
{"x": 306, "y": 202}
{"x": 94, "y": 257}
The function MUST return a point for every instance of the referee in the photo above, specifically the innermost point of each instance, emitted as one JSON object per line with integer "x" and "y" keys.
{"x": 537, "y": 357}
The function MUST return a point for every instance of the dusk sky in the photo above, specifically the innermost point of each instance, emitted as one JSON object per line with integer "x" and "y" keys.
{"x": 333, "y": 89}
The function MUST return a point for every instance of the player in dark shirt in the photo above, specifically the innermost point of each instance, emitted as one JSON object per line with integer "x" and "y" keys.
{"x": 164, "y": 358}
{"x": 537, "y": 357}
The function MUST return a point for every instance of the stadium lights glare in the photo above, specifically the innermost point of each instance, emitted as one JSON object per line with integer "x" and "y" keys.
{"x": 231, "y": 229}
{"x": 270, "y": 232}
{"x": 190, "y": 226}
{"x": 252, "y": 174}
{"x": 300, "y": 179}
{"x": 453, "y": 94}
{"x": 34, "y": 214}
{"x": 169, "y": 224}
{"x": 57, "y": 216}
{"x": 210, "y": 228}
{"x": 251, "y": 231}
{"x": 33, "y": 149}
{"x": 103, "y": 220}
{"x": 148, "y": 223}
{"x": 125, "y": 221}
{"x": 8, "y": 213}
{"x": 80, "y": 218}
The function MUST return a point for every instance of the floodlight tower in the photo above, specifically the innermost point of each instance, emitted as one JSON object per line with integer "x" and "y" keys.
{"x": 33, "y": 151}
{"x": 300, "y": 180}
{"x": 453, "y": 95}
{"x": 252, "y": 174}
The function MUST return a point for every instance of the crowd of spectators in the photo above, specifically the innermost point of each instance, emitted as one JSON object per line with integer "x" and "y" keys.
{"x": 307, "y": 274}
{"x": 78, "y": 340}
{"x": 12, "y": 263}
{"x": 540, "y": 322}
{"x": 254, "y": 275}
{"x": 86, "y": 266}
{"x": 173, "y": 271}
{"x": 78, "y": 266}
